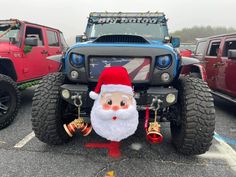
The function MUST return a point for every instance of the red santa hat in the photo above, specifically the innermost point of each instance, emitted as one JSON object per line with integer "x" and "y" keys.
{"x": 112, "y": 79}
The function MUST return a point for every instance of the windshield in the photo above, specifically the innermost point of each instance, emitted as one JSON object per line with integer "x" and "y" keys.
{"x": 150, "y": 28}
{"x": 9, "y": 31}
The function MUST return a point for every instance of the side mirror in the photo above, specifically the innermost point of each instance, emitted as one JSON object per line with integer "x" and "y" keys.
{"x": 31, "y": 41}
{"x": 232, "y": 54}
{"x": 175, "y": 41}
{"x": 167, "y": 39}
{"x": 12, "y": 40}
{"x": 80, "y": 38}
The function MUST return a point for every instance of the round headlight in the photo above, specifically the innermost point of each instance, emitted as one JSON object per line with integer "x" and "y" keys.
{"x": 165, "y": 77}
{"x": 77, "y": 60}
{"x": 163, "y": 62}
{"x": 170, "y": 98}
{"x": 65, "y": 93}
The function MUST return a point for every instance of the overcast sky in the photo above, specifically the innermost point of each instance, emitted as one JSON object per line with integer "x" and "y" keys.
{"x": 70, "y": 15}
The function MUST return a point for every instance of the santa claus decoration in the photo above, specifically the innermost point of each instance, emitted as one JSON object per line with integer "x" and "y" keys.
{"x": 114, "y": 115}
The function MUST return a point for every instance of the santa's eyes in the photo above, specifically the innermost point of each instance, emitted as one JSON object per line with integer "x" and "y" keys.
{"x": 122, "y": 103}
{"x": 109, "y": 102}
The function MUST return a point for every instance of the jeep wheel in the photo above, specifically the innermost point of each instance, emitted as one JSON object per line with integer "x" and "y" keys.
{"x": 195, "y": 75}
{"x": 193, "y": 130}
{"x": 9, "y": 100}
{"x": 48, "y": 110}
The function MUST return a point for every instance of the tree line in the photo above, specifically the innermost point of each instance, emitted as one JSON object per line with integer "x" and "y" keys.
{"x": 189, "y": 35}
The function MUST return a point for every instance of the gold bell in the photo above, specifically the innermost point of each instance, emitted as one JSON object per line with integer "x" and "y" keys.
{"x": 78, "y": 124}
{"x": 153, "y": 133}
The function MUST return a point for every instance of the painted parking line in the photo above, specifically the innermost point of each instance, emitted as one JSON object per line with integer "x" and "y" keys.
{"x": 225, "y": 152}
{"x": 225, "y": 139}
{"x": 25, "y": 140}
{"x": 2, "y": 142}
{"x": 229, "y": 153}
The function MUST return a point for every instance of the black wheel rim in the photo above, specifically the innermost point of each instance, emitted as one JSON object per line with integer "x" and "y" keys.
{"x": 5, "y": 102}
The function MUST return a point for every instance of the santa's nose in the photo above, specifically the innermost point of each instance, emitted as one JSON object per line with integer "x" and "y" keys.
{"x": 115, "y": 108}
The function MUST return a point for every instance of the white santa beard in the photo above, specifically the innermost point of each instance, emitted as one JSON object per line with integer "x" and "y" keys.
{"x": 115, "y": 130}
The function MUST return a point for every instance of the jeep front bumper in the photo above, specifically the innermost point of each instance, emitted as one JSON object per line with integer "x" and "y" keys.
{"x": 168, "y": 96}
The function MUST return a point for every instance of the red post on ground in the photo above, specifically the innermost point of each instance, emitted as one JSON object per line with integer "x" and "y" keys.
{"x": 112, "y": 146}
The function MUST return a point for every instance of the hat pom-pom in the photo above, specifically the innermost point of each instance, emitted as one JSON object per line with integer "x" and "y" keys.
{"x": 93, "y": 95}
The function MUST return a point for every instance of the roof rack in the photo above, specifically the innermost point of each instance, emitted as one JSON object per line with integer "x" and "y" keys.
{"x": 216, "y": 36}
{"x": 126, "y": 14}
{"x": 13, "y": 21}
{"x": 10, "y": 21}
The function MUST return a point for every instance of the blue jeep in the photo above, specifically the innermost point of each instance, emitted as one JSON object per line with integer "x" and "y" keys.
{"x": 139, "y": 42}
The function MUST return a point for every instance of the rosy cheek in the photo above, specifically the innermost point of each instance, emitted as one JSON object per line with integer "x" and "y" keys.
{"x": 125, "y": 107}
{"x": 106, "y": 106}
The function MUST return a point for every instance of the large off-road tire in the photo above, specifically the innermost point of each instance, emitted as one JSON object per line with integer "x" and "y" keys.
{"x": 193, "y": 130}
{"x": 48, "y": 109}
{"x": 195, "y": 75}
{"x": 9, "y": 100}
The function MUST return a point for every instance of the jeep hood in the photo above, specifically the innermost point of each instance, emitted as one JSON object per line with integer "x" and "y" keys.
{"x": 6, "y": 47}
{"x": 123, "y": 41}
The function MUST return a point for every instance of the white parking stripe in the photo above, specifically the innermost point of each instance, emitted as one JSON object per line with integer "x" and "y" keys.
{"x": 228, "y": 151}
{"x": 25, "y": 140}
{"x": 2, "y": 142}
{"x": 225, "y": 152}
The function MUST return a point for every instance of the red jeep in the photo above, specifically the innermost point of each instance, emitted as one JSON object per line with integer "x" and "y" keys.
{"x": 24, "y": 49}
{"x": 218, "y": 56}
{"x": 186, "y": 49}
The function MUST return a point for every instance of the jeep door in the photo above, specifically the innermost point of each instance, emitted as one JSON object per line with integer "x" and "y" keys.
{"x": 226, "y": 79}
{"x": 54, "y": 48}
{"x": 34, "y": 56}
{"x": 211, "y": 58}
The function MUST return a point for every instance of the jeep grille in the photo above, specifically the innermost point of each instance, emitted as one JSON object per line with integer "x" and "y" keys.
{"x": 137, "y": 67}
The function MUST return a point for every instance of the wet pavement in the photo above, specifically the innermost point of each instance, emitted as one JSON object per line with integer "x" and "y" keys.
{"x": 139, "y": 158}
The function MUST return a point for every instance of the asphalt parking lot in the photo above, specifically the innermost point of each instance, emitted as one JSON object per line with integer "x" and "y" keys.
{"x": 21, "y": 154}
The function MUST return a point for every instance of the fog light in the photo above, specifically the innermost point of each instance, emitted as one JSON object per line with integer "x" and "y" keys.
{"x": 74, "y": 74}
{"x": 165, "y": 77}
{"x": 170, "y": 98}
{"x": 65, "y": 93}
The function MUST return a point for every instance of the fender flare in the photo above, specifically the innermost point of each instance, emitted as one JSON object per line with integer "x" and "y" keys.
{"x": 7, "y": 68}
{"x": 57, "y": 58}
{"x": 189, "y": 61}
{"x": 189, "y": 65}
{"x": 201, "y": 70}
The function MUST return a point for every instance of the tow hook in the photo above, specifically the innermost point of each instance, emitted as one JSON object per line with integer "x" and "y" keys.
{"x": 79, "y": 123}
{"x": 153, "y": 129}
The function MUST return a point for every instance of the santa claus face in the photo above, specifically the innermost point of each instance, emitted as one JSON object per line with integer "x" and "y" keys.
{"x": 114, "y": 116}
{"x": 116, "y": 101}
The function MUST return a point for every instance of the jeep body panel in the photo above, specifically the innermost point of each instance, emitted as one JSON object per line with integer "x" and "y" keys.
{"x": 186, "y": 49}
{"x": 32, "y": 64}
{"x": 220, "y": 69}
{"x": 151, "y": 50}
{"x": 136, "y": 52}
